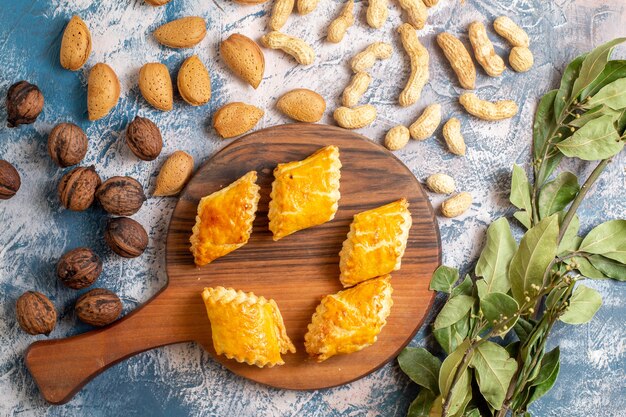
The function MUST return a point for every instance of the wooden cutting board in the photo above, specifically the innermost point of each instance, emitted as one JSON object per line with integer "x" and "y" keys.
{"x": 296, "y": 271}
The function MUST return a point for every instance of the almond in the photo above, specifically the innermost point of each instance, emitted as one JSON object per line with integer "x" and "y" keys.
{"x": 157, "y": 2}
{"x": 174, "y": 174}
{"x": 247, "y": 2}
{"x": 181, "y": 33}
{"x": 155, "y": 85}
{"x": 302, "y": 105}
{"x": 194, "y": 82}
{"x": 236, "y": 118}
{"x": 75, "y": 45}
{"x": 244, "y": 57}
{"x": 103, "y": 91}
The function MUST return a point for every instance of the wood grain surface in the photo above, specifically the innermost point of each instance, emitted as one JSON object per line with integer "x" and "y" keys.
{"x": 296, "y": 271}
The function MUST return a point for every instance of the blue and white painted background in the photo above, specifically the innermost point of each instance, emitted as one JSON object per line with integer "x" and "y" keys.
{"x": 183, "y": 380}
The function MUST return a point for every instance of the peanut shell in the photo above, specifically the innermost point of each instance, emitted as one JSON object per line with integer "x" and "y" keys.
{"x": 456, "y": 205}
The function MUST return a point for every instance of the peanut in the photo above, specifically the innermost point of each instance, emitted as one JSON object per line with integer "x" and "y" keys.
{"x": 338, "y": 27}
{"x": 459, "y": 59}
{"x": 416, "y": 12}
{"x": 487, "y": 110}
{"x": 296, "y": 47}
{"x": 430, "y": 3}
{"x": 425, "y": 125}
{"x": 521, "y": 58}
{"x": 307, "y": 6}
{"x": 377, "y": 13}
{"x": 359, "y": 84}
{"x": 441, "y": 183}
{"x": 454, "y": 138}
{"x": 419, "y": 65}
{"x": 510, "y": 31}
{"x": 280, "y": 13}
{"x": 456, "y": 205}
{"x": 483, "y": 50}
{"x": 365, "y": 59}
{"x": 356, "y": 117}
{"x": 397, "y": 137}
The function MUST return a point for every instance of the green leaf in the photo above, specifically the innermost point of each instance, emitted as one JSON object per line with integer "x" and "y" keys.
{"x": 570, "y": 241}
{"x": 613, "y": 70}
{"x": 494, "y": 260}
{"x": 609, "y": 267}
{"x": 564, "y": 92}
{"x": 421, "y": 366}
{"x": 456, "y": 397}
{"x": 422, "y": 404}
{"x": 452, "y": 336}
{"x": 544, "y": 122}
{"x": 586, "y": 269}
{"x": 474, "y": 412}
{"x": 494, "y": 370}
{"x": 464, "y": 288}
{"x": 555, "y": 296}
{"x": 557, "y": 194}
{"x": 621, "y": 123}
{"x": 594, "y": 64}
{"x": 612, "y": 95}
{"x": 549, "y": 364}
{"x": 583, "y": 305}
{"x": 523, "y": 329}
{"x": 495, "y": 306}
{"x": 513, "y": 348}
{"x": 536, "y": 250}
{"x": 520, "y": 189}
{"x": 594, "y": 113}
{"x": 453, "y": 311}
{"x": 444, "y": 278}
{"x": 436, "y": 410}
{"x": 608, "y": 240}
{"x": 541, "y": 389}
{"x": 524, "y": 218}
{"x": 596, "y": 140}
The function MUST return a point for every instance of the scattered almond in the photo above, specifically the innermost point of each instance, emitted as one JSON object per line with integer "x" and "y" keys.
{"x": 155, "y": 85}
{"x": 103, "y": 91}
{"x": 157, "y": 2}
{"x": 194, "y": 82}
{"x": 236, "y": 118}
{"x": 75, "y": 45}
{"x": 181, "y": 33}
{"x": 244, "y": 57}
{"x": 456, "y": 205}
{"x": 302, "y": 105}
{"x": 441, "y": 183}
{"x": 174, "y": 174}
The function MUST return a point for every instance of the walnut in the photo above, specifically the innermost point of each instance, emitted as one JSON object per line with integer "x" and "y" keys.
{"x": 126, "y": 237}
{"x": 9, "y": 180}
{"x": 24, "y": 103}
{"x": 98, "y": 307}
{"x": 78, "y": 187}
{"x": 121, "y": 196}
{"x": 79, "y": 268}
{"x": 67, "y": 144}
{"x": 35, "y": 313}
{"x": 144, "y": 138}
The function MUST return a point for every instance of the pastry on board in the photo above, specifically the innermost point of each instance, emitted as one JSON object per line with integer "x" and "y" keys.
{"x": 246, "y": 328}
{"x": 349, "y": 320}
{"x": 375, "y": 243}
{"x": 305, "y": 193}
{"x": 224, "y": 220}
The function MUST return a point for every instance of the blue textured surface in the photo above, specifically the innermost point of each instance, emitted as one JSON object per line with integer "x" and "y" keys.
{"x": 183, "y": 380}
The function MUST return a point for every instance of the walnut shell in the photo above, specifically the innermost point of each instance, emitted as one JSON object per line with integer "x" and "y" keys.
{"x": 98, "y": 307}
{"x": 9, "y": 180}
{"x": 78, "y": 187}
{"x": 121, "y": 196}
{"x": 144, "y": 138}
{"x": 126, "y": 237}
{"x": 67, "y": 144}
{"x": 79, "y": 268}
{"x": 24, "y": 103}
{"x": 35, "y": 313}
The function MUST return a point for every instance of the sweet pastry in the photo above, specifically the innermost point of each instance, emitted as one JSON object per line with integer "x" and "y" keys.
{"x": 375, "y": 243}
{"x": 246, "y": 328}
{"x": 224, "y": 220}
{"x": 305, "y": 193}
{"x": 350, "y": 320}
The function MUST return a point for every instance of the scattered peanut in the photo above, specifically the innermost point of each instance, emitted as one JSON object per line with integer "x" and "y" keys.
{"x": 416, "y": 12}
{"x": 296, "y": 47}
{"x": 307, "y": 6}
{"x": 338, "y": 27}
{"x": 454, "y": 138}
{"x": 397, "y": 137}
{"x": 459, "y": 59}
{"x": 483, "y": 50}
{"x": 430, "y": 3}
{"x": 419, "y": 65}
{"x": 441, "y": 183}
{"x": 456, "y": 205}
{"x": 487, "y": 110}
{"x": 280, "y": 13}
{"x": 510, "y": 31}
{"x": 425, "y": 125}
{"x": 521, "y": 59}
{"x": 359, "y": 84}
{"x": 365, "y": 59}
{"x": 377, "y": 12}
{"x": 356, "y": 117}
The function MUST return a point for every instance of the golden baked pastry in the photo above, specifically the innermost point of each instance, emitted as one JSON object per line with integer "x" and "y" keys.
{"x": 224, "y": 220}
{"x": 375, "y": 243}
{"x": 350, "y": 320}
{"x": 305, "y": 193}
{"x": 246, "y": 328}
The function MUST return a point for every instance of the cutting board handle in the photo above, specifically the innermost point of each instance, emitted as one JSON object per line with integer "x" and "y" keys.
{"x": 62, "y": 367}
